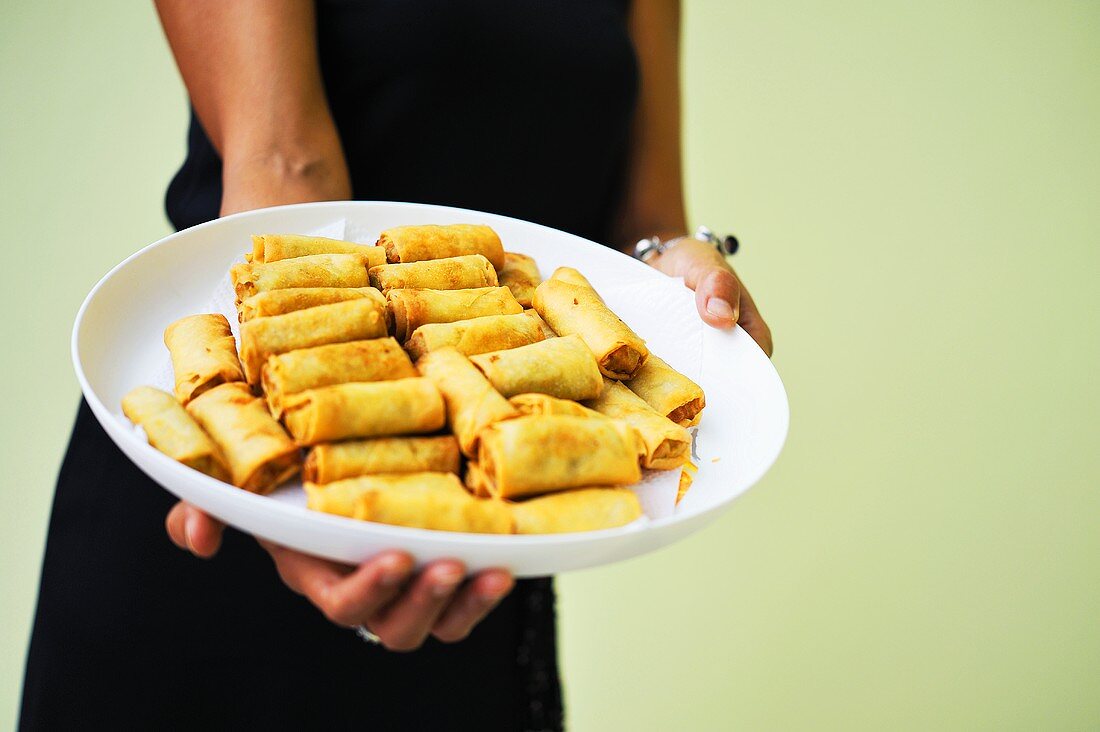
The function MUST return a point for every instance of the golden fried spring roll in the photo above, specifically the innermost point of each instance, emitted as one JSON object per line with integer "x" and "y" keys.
{"x": 419, "y": 243}
{"x": 530, "y": 455}
{"x": 338, "y": 460}
{"x": 472, "y": 403}
{"x": 454, "y": 273}
{"x": 573, "y": 277}
{"x": 358, "y": 409}
{"x": 667, "y": 444}
{"x": 476, "y": 481}
{"x": 547, "y": 331}
{"x": 544, "y": 404}
{"x": 521, "y": 275}
{"x": 582, "y": 509}
{"x": 476, "y": 335}
{"x": 257, "y": 450}
{"x": 560, "y": 367}
{"x": 280, "y": 302}
{"x": 203, "y": 354}
{"x": 340, "y": 322}
{"x": 381, "y": 359}
{"x": 419, "y": 500}
{"x": 413, "y": 308}
{"x": 170, "y": 429}
{"x": 275, "y": 247}
{"x": 316, "y": 270}
{"x": 575, "y": 309}
{"x": 668, "y": 391}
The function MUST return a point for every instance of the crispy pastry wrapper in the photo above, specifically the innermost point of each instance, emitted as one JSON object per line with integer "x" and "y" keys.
{"x": 256, "y": 449}
{"x": 561, "y": 367}
{"x": 453, "y": 273}
{"x": 580, "y": 509}
{"x": 687, "y": 477}
{"x": 472, "y": 402}
{"x": 340, "y": 322}
{"x": 573, "y": 277}
{"x": 339, "y": 460}
{"x": 476, "y": 481}
{"x": 668, "y": 391}
{"x": 170, "y": 429}
{"x": 280, "y": 302}
{"x": 667, "y": 444}
{"x": 531, "y": 455}
{"x": 204, "y": 354}
{"x": 520, "y": 274}
{"x": 574, "y": 309}
{"x": 405, "y": 244}
{"x": 412, "y": 308}
{"x": 275, "y": 247}
{"x": 419, "y": 500}
{"x": 315, "y": 270}
{"x": 364, "y": 409}
{"x": 380, "y": 359}
{"x": 546, "y": 405}
{"x": 547, "y": 331}
{"x": 475, "y": 335}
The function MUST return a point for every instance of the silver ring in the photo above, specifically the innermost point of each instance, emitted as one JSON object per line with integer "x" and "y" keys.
{"x": 366, "y": 636}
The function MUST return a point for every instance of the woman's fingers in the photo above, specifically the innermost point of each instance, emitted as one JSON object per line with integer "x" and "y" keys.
{"x": 192, "y": 530}
{"x": 347, "y": 597}
{"x": 471, "y": 604}
{"x": 406, "y": 622}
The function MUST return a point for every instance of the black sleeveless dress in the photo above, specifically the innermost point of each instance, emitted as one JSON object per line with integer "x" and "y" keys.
{"x": 511, "y": 106}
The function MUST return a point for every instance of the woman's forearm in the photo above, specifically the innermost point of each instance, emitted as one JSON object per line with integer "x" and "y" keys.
{"x": 251, "y": 69}
{"x": 653, "y": 199}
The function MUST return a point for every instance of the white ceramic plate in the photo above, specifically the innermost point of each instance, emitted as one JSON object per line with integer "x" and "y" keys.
{"x": 117, "y": 345}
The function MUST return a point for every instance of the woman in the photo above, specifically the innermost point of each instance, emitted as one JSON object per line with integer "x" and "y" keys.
{"x": 563, "y": 113}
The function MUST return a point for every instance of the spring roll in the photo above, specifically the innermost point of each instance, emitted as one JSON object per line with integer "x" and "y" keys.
{"x": 419, "y": 500}
{"x": 667, "y": 444}
{"x": 257, "y": 450}
{"x": 476, "y": 481}
{"x": 571, "y": 308}
{"x": 203, "y": 354}
{"x": 472, "y": 403}
{"x": 573, "y": 277}
{"x": 353, "y": 458}
{"x": 521, "y": 275}
{"x": 280, "y": 302}
{"x": 405, "y": 244}
{"x": 530, "y": 455}
{"x": 454, "y": 273}
{"x": 364, "y": 409}
{"x": 583, "y": 509}
{"x": 668, "y": 391}
{"x": 414, "y": 308}
{"x": 316, "y": 270}
{"x": 547, "y": 331}
{"x": 170, "y": 429}
{"x": 275, "y": 247}
{"x": 381, "y": 359}
{"x": 340, "y": 322}
{"x": 560, "y": 367}
{"x": 476, "y": 335}
{"x": 544, "y": 404}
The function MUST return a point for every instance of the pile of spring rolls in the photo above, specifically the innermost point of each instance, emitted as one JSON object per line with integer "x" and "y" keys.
{"x": 432, "y": 380}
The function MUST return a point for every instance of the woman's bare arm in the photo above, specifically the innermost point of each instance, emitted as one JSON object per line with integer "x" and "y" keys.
{"x": 252, "y": 72}
{"x": 653, "y": 199}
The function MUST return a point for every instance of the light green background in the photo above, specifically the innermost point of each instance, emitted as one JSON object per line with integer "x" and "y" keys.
{"x": 916, "y": 185}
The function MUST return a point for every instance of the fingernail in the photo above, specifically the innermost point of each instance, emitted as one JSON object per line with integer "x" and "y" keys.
{"x": 188, "y": 533}
{"x": 494, "y": 588}
{"x": 445, "y": 581}
{"x": 719, "y": 308}
{"x": 394, "y": 571}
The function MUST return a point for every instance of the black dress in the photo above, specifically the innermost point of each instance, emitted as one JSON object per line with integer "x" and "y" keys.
{"x": 515, "y": 107}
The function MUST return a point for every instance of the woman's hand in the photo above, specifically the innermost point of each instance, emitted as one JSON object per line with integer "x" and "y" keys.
{"x": 721, "y": 298}
{"x": 383, "y": 593}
